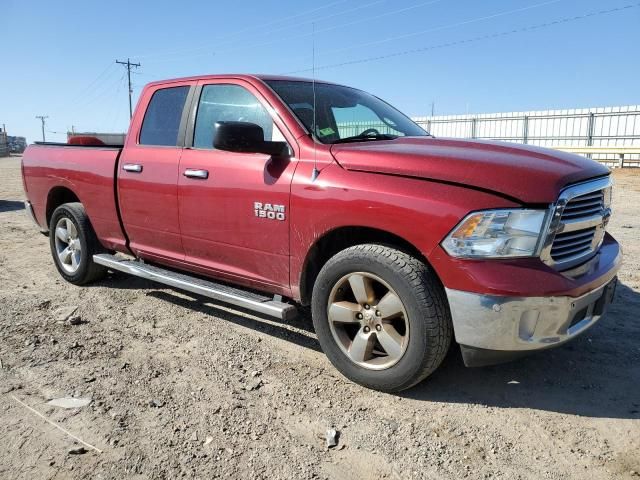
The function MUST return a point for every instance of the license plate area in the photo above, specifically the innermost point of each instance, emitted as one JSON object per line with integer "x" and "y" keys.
{"x": 607, "y": 297}
{"x": 596, "y": 308}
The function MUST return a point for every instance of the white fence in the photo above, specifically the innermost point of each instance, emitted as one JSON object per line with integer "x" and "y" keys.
{"x": 587, "y": 127}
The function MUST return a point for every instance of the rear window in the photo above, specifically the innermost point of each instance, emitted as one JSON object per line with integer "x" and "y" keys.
{"x": 162, "y": 120}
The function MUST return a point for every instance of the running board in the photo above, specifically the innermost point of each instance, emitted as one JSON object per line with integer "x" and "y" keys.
{"x": 233, "y": 296}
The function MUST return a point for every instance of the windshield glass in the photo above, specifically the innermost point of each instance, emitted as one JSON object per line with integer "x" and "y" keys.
{"x": 344, "y": 113}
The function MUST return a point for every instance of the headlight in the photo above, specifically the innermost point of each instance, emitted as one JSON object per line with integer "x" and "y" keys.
{"x": 497, "y": 234}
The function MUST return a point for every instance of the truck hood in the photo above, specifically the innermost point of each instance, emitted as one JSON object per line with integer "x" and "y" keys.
{"x": 528, "y": 174}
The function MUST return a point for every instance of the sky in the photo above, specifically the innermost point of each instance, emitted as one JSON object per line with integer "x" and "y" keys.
{"x": 59, "y": 57}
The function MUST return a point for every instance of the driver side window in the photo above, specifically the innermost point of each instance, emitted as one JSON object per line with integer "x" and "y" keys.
{"x": 223, "y": 103}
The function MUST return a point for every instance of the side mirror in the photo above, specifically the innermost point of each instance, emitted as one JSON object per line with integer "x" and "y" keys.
{"x": 246, "y": 137}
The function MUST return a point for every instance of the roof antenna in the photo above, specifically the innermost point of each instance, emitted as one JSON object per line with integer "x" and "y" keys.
{"x": 315, "y": 172}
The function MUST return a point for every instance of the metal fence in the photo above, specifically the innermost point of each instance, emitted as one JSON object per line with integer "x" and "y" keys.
{"x": 589, "y": 127}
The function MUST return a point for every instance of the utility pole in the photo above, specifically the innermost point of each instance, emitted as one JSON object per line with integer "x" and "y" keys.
{"x": 128, "y": 64}
{"x": 42, "y": 119}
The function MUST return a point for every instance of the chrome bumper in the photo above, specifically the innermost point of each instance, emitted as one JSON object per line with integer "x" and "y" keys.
{"x": 519, "y": 324}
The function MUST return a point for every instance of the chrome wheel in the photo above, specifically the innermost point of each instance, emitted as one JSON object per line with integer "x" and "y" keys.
{"x": 68, "y": 247}
{"x": 368, "y": 320}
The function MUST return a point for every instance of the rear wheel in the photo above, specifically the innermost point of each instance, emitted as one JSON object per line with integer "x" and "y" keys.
{"x": 73, "y": 243}
{"x": 381, "y": 317}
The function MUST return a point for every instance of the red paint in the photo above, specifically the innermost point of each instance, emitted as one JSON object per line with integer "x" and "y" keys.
{"x": 85, "y": 140}
{"x": 525, "y": 277}
{"x": 88, "y": 173}
{"x": 415, "y": 188}
{"x": 530, "y": 174}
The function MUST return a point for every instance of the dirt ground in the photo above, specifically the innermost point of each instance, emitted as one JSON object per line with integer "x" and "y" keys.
{"x": 182, "y": 387}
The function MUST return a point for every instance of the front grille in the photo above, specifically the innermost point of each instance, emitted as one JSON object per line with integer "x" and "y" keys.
{"x": 578, "y": 242}
{"x": 578, "y": 224}
{"x": 583, "y": 206}
{"x": 571, "y": 244}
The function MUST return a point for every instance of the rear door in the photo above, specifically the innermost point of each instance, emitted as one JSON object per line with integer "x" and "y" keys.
{"x": 148, "y": 173}
{"x": 234, "y": 207}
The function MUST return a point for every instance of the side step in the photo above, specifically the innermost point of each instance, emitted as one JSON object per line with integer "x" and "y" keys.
{"x": 234, "y": 296}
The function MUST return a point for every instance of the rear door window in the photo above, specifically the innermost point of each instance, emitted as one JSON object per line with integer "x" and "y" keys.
{"x": 161, "y": 122}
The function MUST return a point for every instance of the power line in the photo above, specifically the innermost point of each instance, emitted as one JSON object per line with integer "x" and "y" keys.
{"x": 244, "y": 29}
{"x": 42, "y": 119}
{"x": 306, "y": 22}
{"x": 473, "y": 39}
{"x": 93, "y": 82}
{"x": 129, "y": 65}
{"x": 101, "y": 85}
{"x": 316, "y": 20}
{"x": 442, "y": 27}
{"x": 381, "y": 15}
{"x": 112, "y": 117}
{"x": 104, "y": 91}
{"x": 87, "y": 91}
{"x": 341, "y": 25}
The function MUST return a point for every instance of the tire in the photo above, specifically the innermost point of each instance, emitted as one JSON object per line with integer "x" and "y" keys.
{"x": 78, "y": 267}
{"x": 424, "y": 317}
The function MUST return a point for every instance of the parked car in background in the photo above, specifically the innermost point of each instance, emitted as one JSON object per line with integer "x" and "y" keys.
{"x": 17, "y": 144}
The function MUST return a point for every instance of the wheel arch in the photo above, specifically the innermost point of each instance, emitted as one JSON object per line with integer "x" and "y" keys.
{"x": 57, "y": 196}
{"x": 340, "y": 238}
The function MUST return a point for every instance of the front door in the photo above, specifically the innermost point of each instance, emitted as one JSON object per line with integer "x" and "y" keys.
{"x": 234, "y": 207}
{"x": 148, "y": 175}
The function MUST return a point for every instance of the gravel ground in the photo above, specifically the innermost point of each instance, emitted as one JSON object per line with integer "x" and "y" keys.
{"x": 181, "y": 387}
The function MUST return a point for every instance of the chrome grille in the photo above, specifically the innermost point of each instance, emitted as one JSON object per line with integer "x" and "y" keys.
{"x": 567, "y": 245}
{"x": 578, "y": 224}
{"x": 584, "y": 206}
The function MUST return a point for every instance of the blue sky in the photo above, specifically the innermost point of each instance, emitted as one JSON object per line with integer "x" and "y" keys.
{"x": 59, "y": 56}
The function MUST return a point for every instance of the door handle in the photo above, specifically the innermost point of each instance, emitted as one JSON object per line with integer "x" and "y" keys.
{"x": 132, "y": 167}
{"x": 196, "y": 173}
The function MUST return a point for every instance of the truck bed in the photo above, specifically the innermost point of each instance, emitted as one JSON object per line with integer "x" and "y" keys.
{"x": 89, "y": 171}
{"x": 62, "y": 144}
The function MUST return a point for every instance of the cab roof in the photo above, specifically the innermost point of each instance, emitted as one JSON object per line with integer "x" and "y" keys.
{"x": 239, "y": 76}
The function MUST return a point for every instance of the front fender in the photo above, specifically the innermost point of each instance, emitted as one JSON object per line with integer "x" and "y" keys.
{"x": 421, "y": 212}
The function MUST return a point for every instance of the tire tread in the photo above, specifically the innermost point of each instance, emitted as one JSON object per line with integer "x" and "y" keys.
{"x": 93, "y": 271}
{"x": 428, "y": 293}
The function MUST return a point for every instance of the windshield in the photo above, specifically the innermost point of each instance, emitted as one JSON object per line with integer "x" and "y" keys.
{"x": 344, "y": 113}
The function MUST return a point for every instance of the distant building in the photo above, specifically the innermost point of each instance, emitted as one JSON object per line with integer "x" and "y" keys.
{"x": 4, "y": 144}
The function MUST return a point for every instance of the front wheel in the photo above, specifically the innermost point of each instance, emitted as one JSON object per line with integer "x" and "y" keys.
{"x": 73, "y": 244}
{"x": 381, "y": 317}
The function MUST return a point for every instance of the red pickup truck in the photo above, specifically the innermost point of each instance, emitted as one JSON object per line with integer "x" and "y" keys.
{"x": 265, "y": 192}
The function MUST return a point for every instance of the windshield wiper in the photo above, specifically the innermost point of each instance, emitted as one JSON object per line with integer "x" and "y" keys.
{"x": 364, "y": 138}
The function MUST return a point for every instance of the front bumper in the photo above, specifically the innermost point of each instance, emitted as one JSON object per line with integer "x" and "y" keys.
{"x": 495, "y": 328}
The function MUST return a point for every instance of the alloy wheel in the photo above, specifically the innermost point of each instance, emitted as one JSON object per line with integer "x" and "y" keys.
{"x": 68, "y": 247}
{"x": 368, "y": 320}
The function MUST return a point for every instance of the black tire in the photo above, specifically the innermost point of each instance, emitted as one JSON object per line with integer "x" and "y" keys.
{"x": 87, "y": 271}
{"x": 424, "y": 301}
